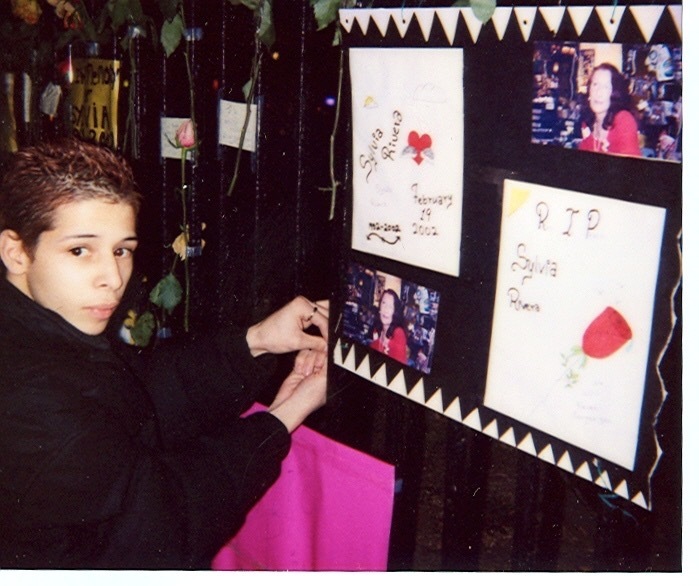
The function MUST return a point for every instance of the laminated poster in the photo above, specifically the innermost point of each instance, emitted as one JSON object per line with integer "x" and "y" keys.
{"x": 94, "y": 96}
{"x": 408, "y": 155}
{"x": 572, "y": 316}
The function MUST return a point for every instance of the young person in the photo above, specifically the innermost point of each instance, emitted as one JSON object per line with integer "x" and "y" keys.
{"x": 106, "y": 462}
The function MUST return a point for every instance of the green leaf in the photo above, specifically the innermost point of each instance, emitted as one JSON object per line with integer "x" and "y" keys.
{"x": 169, "y": 8}
{"x": 266, "y": 33}
{"x": 326, "y": 11}
{"x": 337, "y": 38}
{"x": 119, "y": 10}
{"x": 136, "y": 10}
{"x": 247, "y": 88}
{"x": 171, "y": 34}
{"x": 167, "y": 293}
{"x": 251, "y": 4}
{"x": 483, "y": 9}
{"x": 143, "y": 329}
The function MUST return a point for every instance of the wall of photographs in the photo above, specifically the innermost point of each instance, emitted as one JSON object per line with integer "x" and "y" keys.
{"x": 511, "y": 249}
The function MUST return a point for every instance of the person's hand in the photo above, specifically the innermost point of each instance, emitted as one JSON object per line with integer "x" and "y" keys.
{"x": 284, "y": 330}
{"x": 306, "y": 363}
{"x": 303, "y": 391}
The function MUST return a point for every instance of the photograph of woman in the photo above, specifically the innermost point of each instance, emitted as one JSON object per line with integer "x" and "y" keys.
{"x": 609, "y": 98}
{"x": 391, "y": 315}
{"x": 608, "y": 126}
{"x": 388, "y": 334}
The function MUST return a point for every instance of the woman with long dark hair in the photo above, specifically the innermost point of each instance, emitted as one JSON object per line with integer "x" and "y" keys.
{"x": 388, "y": 332}
{"x": 608, "y": 126}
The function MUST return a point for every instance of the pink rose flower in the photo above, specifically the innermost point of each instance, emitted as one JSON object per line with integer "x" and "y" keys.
{"x": 185, "y": 135}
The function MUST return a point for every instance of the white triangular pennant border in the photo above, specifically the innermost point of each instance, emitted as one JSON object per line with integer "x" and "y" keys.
{"x": 501, "y": 19}
{"x": 449, "y": 20}
{"x": 646, "y": 18}
{"x": 525, "y": 15}
{"x": 676, "y": 13}
{"x": 580, "y": 15}
{"x": 553, "y": 16}
{"x": 401, "y": 18}
{"x": 590, "y": 470}
{"x": 473, "y": 23}
{"x": 610, "y": 17}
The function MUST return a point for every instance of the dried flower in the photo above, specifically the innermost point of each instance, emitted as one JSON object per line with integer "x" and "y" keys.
{"x": 184, "y": 137}
{"x": 66, "y": 11}
{"x": 28, "y": 10}
{"x": 179, "y": 244}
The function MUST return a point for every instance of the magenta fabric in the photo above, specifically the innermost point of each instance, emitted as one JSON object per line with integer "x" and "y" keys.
{"x": 329, "y": 510}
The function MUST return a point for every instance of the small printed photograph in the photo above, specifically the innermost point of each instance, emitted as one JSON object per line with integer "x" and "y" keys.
{"x": 391, "y": 315}
{"x": 610, "y": 98}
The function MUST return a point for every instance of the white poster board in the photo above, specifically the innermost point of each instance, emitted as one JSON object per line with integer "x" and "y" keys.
{"x": 408, "y": 155}
{"x": 572, "y": 318}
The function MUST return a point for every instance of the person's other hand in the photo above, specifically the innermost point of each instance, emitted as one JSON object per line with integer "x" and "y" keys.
{"x": 306, "y": 363}
{"x": 301, "y": 394}
{"x": 285, "y": 330}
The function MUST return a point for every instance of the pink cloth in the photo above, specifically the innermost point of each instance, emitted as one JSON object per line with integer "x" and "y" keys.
{"x": 329, "y": 510}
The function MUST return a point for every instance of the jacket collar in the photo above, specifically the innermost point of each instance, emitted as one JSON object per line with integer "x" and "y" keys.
{"x": 27, "y": 314}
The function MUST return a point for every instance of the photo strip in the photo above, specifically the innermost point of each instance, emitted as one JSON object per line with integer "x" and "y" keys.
{"x": 391, "y": 315}
{"x": 610, "y": 98}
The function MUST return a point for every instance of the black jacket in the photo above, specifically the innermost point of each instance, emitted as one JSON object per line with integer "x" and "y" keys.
{"x": 105, "y": 463}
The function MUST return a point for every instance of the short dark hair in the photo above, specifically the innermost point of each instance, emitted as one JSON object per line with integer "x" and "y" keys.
{"x": 38, "y": 179}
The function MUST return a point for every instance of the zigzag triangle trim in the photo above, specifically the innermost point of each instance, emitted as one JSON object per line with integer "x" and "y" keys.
{"x": 587, "y": 470}
{"x": 610, "y": 17}
{"x": 676, "y": 13}
{"x": 525, "y": 16}
{"x": 553, "y": 16}
{"x": 449, "y": 20}
{"x": 580, "y": 15}
{"x": 646, "y": 18}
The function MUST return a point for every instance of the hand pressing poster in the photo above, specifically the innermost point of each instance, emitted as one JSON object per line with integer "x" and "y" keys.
{"x": 408, "y": 155}
{"x": 573, "y": 312}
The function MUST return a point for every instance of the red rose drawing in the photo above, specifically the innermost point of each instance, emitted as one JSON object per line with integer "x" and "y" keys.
{"x": 606, "y": 334}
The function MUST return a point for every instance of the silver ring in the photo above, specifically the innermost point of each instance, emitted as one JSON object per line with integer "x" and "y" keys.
{"x": 310, "y": 317}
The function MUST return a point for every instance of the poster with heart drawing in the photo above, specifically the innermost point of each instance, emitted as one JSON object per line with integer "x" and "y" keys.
{"x": 408, "y": 155}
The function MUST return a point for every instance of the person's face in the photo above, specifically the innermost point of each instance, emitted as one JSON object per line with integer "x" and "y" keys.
{"x": 600, "y": 91}
{"x": 81, "y": 267}
{"x": 386, "y": 309}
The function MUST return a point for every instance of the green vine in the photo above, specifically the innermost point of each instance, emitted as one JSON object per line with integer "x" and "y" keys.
{"x": 264, "y": 35}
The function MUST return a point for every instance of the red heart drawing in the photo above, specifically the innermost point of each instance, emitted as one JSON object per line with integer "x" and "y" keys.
{"x": 419, "y": 143}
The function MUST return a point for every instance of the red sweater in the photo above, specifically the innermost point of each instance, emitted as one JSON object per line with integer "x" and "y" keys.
{"x": 622, "y": 138}
{"x": 397, "y": 346}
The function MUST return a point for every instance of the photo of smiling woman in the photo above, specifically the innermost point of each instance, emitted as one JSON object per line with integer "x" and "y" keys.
{"x": 388, "y": 334}
{"x": 609, "y": 98}
{"x": 608, "y": 126}
{"x": 393, "y": 316}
